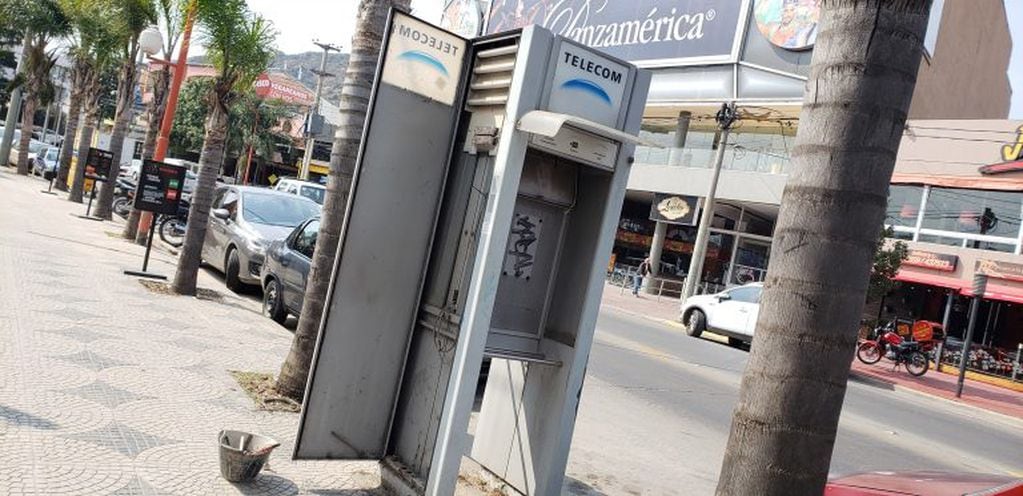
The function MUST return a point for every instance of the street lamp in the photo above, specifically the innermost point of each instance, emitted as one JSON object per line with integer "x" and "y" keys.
{"x": 151, "y": 41}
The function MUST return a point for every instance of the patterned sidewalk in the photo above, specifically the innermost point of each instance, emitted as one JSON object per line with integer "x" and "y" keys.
{"x": 107, "y": 388}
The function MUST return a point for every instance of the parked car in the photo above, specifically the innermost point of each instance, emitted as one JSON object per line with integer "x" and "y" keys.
{"x": 732, "y": 313}
{"x": 286, "y": 271}
{"x": 923, "y": 483}
{"x": 33, "y": 148}
{"x": 313, "y": 191}
{"x": 243, "y": 222}
{"x": 45, "y": 161}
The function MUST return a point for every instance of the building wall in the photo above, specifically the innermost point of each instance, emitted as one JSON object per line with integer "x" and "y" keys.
{"x": 956, "y": 147}
{"x": 965, "y": 77}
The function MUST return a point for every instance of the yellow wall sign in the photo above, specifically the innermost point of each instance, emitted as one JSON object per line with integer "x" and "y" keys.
{"x": 1012, "y": 152}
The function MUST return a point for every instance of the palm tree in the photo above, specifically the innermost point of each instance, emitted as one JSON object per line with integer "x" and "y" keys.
{"x": 41, "y": 20}
{"x": 170, "y": 13}
{"x": 240, "y": 45}
{"x": 858, "y": 94}
{"x": 90, "y": 43}
{"x": 132, "y": 17}
{"x": 372, "y": 17}
{"x": 95, "y": 83}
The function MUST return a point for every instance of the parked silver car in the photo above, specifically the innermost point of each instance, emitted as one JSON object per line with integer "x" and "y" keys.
{"x": 243, "y": 222}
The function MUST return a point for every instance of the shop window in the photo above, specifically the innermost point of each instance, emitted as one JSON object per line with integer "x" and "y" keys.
{"x": 940, "y": 240}
{"x": 903, "y": 205}
{"x": 904, "y": 235}
{"x": 991, "y": 213}
{"x": 991, "y": 246}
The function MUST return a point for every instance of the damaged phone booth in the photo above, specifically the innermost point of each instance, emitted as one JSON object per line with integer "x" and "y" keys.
{"x": 485, "y": 201}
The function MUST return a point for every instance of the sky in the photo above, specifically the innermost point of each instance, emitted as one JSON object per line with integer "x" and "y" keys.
{"x": 299, "y": 22}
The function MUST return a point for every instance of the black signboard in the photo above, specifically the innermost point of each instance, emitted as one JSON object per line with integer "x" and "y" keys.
{"x": 674, "y": 209}
{"x": 160, "y": 186}
{"x": 97, "y": 164}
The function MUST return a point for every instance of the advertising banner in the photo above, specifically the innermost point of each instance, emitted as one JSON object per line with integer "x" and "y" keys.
{"x": 653, "y": 32}
{"x": 97, "y": 163}
{"x": 159, "y": 188}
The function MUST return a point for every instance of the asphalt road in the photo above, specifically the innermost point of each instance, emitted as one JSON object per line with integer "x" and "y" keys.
{"x": 657, "y": 405}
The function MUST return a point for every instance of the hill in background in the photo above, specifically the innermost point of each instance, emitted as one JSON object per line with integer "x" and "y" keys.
{"x": 300, "y": 66}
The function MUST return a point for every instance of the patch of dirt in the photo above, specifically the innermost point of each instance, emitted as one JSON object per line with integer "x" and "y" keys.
{"x": 260, "y": 388}
{"x": 112, "y": 234}
{"x": 165, "y": 289}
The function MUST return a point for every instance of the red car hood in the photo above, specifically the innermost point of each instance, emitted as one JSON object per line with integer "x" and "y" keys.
{"x": 924, "y": 483}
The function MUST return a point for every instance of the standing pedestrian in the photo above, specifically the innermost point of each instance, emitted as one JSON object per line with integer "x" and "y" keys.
{"x": 637, "y": 281}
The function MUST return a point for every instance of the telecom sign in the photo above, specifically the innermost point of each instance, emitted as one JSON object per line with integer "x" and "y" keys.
{"x": 587, "y": 85}
{"x": 159, "y": 188}
{"x": 423, "y": 59}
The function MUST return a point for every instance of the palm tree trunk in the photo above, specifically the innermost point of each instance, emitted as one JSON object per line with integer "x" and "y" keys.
{"x": 84, "y": 143}
{"x": 858, "y": 94}
{"x": 202, "y": 199}
{"x": 354, "y": 99}
{"x": 157, "y": 107}
{"x": 122, "y": 120}
{"x": 70, "y": 132}
{"x": 27, "y": 124}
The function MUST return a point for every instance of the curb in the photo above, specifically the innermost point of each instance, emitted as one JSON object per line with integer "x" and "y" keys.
{"x": 868, "y": 378}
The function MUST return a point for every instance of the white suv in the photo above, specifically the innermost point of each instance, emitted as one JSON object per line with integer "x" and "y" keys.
{"x": 732, "y": 313}
{"x": 312, "y": 191}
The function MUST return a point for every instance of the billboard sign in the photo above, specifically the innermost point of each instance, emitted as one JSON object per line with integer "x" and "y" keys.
{"x": 649, "y": 32}
{"x": 276, "y": 87}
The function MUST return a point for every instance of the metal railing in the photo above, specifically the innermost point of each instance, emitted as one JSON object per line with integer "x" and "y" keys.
{"x": 625, "y": 277}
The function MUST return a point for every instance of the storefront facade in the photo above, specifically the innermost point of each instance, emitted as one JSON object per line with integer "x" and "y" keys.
{"x": 957, "y": 201}
{"x": 757, "y": 54}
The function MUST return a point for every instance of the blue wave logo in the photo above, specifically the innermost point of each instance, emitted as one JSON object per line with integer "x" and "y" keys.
{"x": 587, "y": 86}
{"x": 425, "y": 58}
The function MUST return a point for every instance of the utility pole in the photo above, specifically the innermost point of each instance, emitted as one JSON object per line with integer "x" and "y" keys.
{"x": 725, "y": 117}
{"x": 310, "y": 142}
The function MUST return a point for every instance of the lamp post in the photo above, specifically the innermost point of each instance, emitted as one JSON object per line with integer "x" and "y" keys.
{"x": 179, "y": 69}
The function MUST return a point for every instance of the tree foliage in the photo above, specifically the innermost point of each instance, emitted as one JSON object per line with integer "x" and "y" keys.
{"x": 253, "y": 121}
{"x": 888, "y": 257}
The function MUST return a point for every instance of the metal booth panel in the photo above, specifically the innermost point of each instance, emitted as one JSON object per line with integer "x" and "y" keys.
{"x": 385, "y": 244}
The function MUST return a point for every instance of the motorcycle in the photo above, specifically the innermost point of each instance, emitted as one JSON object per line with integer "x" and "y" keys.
{"x": 172, "y": 227}
{"x": 124, "y": 196}
{"x": 890, "y": 344}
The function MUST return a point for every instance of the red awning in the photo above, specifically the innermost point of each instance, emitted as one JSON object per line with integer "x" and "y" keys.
{"x": 930, "y": 279}
{"x": 966, "y": 182}
{"x": 999, "y": 291}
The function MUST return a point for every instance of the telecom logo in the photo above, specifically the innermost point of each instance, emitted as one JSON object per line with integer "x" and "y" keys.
{"x": 587, "y": 86}
{"x": 424, "y": 58}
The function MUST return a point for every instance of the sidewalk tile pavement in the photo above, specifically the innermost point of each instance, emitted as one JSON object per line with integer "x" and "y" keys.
{"x": 107, "y": 388}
